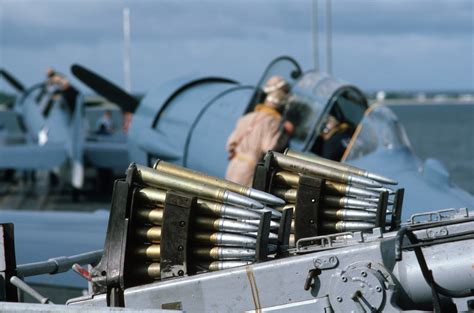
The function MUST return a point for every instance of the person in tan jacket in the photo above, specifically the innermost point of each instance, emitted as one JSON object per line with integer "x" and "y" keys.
{"x": 257, "y": 132}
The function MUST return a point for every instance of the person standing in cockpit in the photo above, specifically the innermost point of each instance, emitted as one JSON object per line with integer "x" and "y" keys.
{"x": 258, "y": 132}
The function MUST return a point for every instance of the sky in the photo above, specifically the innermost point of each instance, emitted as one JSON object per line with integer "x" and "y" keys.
{"x": 377, "y": 45}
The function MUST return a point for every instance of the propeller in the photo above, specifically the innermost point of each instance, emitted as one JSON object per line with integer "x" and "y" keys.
{"x": 105, "y": 88}
{"x": 15, "y": 83}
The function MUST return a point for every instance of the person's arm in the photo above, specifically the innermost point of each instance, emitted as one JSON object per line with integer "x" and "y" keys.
{"x": 235, "y": 137}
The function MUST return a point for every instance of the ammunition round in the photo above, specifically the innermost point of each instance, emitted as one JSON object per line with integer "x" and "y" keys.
{"x": 306, "y": 167}
{"x": 151, "y": 270}
{"x": 348, "y": 214}
{"x": 151, "y": 234}
{"x": 151, "y": 195}
{"x": 153, "y": 216}
{"x": 346, "y": 202}
{"x": 339, "y": 166}
{"x": 224, "y": 239}
{"x": 223, "y": 265}
{"x": 222, "y": 224}
{"x": 179, "y": 171}
{"x": 343, "y": 226}
{"x": 273, "y": 224}
{"x": 286, "y": 179}
{"x": 288, "y": 194}
{"x": 212, "y": 208}
{"x": 163, "y": 180}
{"x": 150, "y": 252}
{"x": 221, "y": 253}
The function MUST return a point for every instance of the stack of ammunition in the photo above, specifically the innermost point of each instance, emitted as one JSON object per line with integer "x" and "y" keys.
{"x": 348, "y": 198}
{"x": 226, "y": 216}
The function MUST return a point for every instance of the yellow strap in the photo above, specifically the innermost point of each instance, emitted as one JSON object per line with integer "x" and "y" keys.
{"x": 267, "y": 109}
{"x": 338, "y": 129}
{"x": 243, "y": 157}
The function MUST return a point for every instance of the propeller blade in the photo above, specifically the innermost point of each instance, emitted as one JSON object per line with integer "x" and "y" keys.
{"x": 15, "y": 83}
{"x": 105, "y": 88}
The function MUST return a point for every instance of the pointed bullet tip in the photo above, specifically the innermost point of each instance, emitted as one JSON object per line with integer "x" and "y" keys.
{"x": 265, "y": 197}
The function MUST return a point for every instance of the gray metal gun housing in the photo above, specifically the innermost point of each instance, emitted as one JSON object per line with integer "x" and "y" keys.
{"x": 426, "y": 265}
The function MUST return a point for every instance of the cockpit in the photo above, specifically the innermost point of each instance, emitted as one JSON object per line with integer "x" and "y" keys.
{"x": 326, "y": 112}
{"x": 378, "y": 130}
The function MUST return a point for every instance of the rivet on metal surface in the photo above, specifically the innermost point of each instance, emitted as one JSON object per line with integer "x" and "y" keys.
{"x": 339, "y": 299}
{"x": 378, "y": 289}
{"x": 180, "y": 272}
{"x": 363, "y": 274}
{"x": 344, "y": 278}
{"x": 180, "y": 248}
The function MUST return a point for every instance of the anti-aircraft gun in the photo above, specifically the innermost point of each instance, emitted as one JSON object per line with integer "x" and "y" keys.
{"x": 349, "y": 255}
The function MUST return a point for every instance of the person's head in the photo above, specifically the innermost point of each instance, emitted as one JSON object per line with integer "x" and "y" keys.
{"x": 275, "y": 83}
{"x": 331, "y": 122}
{"x": 276, "y": 99}
{"x": 50, "y": 72}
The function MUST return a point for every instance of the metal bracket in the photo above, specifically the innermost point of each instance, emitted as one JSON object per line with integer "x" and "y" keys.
{"x": 175, "y": 230}
{"x": 305, "y": 245}
{"x": 326, "y": 262}
{"x": 307, "y": 206}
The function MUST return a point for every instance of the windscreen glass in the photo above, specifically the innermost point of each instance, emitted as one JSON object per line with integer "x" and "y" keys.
{"x": 379, "y": 130}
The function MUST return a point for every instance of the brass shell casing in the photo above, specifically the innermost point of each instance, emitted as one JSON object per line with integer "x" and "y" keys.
{"x": 151, "y": 270}
{"x": 151, "y": 196}
{"x": 329, "y": 163}
{"x": 289, "y": 195}
{"x": 295, "y": 165}
{"x": 183, "y": 172}
{"x": 167, "y": 181}
{"x": 152, "y": 252}
{"x": 153, "y": 216}
{"x": 150, "y": 234}
{"x": 288, "y": 179}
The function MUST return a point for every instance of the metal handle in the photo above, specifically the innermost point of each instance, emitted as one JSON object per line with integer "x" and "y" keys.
{"x": 20, "y": 284}
{"x": 313, "y": 273}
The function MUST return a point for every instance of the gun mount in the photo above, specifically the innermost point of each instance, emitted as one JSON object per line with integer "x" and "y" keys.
{"x": 421, "y": 266}
{"x": 153, "y": 254}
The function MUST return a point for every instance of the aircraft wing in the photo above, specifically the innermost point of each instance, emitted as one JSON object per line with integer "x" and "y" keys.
{"x": 32, "y": 157}
{"x": 104, "y": 154}
{"x": 10, "y": 127}
{"x": 427, "y": 186}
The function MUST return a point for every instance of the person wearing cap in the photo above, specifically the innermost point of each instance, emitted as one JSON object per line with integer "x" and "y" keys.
{"x": 258, "y": 132}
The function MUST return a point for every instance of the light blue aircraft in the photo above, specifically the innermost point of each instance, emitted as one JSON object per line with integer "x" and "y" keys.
{"x": 52, "y": 132}
{"x": 187, "y": 122}
{"x": 43, "y": 131}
